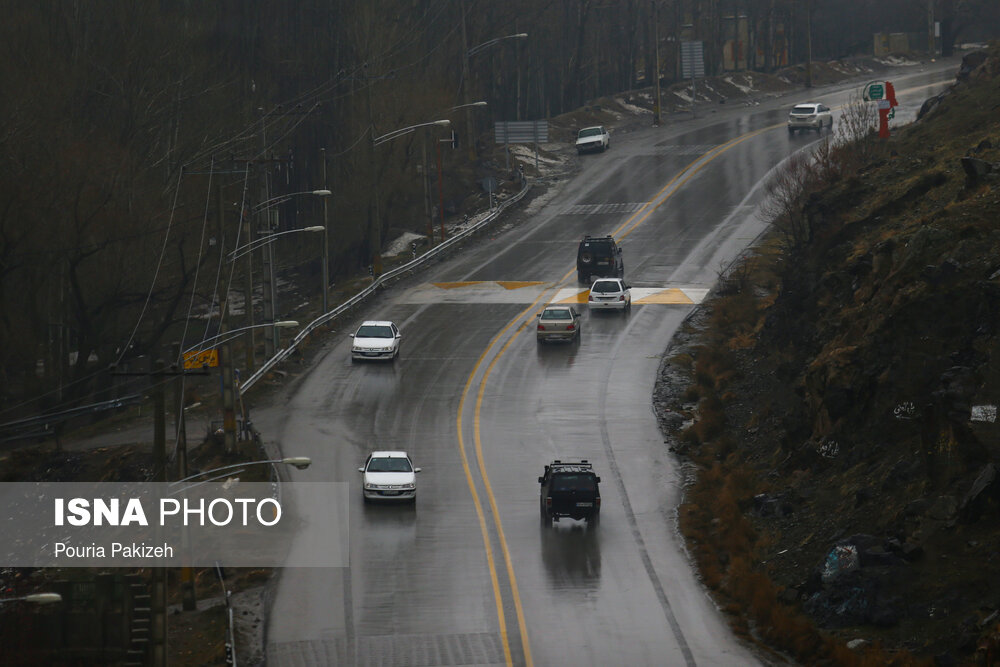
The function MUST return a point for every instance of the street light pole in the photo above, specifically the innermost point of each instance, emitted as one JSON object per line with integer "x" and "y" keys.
{"x": 326, "y": 241}
{"x": 466, "y": 77}
{"x": 376, "y": 268}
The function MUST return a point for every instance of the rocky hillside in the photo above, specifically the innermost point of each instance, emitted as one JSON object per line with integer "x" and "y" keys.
{"x": 838, "y": 397}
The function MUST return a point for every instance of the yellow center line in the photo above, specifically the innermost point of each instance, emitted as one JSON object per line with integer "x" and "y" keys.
{"x": 489, "y": 492}
{"x": 642, "y": 214}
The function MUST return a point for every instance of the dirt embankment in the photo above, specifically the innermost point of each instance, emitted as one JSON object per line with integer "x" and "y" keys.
{"x": 838, "y": 395}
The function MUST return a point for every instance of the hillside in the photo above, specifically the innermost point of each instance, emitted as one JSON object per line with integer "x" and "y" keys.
{"x": 837, "y": 397}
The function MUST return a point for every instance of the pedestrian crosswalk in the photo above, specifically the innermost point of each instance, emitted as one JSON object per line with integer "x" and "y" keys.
{"x": 529, "y": 291}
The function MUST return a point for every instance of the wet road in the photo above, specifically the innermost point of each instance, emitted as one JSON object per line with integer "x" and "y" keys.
{"x": 469, "y": 576}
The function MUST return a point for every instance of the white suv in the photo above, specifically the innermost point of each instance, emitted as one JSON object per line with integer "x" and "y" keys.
{"x": 592, "y": 139}
{"x": 809, "y": 116}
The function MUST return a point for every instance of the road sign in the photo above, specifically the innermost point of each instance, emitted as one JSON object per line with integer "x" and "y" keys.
{"x": 521, "y": 132}
{"x": 692, "y": 60}
{"x": 201, "y": 359}
{"x": 874, "y": 91}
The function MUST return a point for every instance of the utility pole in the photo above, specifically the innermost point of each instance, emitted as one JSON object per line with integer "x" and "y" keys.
{"x": 656, "y": 67}
{"x": 931, "y": 46}
{"x": 250, "y": 352}
{"x": 427, "y": 192}
{"x": 326, "y": 241}
{"x": 158, "y": 631}
{"x": 809, "y": 44}
{"x": 467, "y": 82}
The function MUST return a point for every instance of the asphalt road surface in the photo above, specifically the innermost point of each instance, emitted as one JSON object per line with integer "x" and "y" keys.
{"x": 469, "y": 576}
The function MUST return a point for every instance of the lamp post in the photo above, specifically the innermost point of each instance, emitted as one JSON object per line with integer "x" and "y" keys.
{"x": 228, "y": 377}
{"x": 466, "y": 77}
{"x": 188, "y": 598}
{"x": 270, "y": 301}
{"x": 36, "y": 598}
{"x": 377, "y": 232}
{"x": 299, "y": 462}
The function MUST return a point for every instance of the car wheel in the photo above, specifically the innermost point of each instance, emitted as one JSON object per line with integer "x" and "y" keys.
{"x": 576, "y": 336}
{"x": 581, "y": 277}
{"x": 354, "y": 360}
{"x": 791, "y": 131}
{"x": 594, "y": 520}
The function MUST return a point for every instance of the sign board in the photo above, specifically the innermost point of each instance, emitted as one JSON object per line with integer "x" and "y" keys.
{"x": 195, "y": 360}
{"x": 874, "y": 91}
{"x": 521, "y": 132}
{"x": 692, "y": 60}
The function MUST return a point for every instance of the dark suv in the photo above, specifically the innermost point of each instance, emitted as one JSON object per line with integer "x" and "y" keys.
{"x": 599, "y": 256}
{"x": 569, "y": 489}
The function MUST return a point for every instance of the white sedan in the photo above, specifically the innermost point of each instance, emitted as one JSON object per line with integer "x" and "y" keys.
{"x": 375, "y": 339}
{"x": 389, "y": 475}
{"x": 610, "y": 294}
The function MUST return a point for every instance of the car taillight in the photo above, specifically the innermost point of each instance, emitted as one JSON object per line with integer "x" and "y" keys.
{"x": 541, "y": 328}
{"x": 548, "y": 502}
{"x": 621, "y": 298}
{"x": 598, "y": 503}
{"x": 590, "y": 296}
{"x": 570, "y": 327}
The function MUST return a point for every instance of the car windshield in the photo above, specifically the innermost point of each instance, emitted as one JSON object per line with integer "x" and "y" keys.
{"x": 389, "y": 464}
{"x": 590, "y": 132}
{"x": 597, "y": 248}
{"x": 556, "y": 314}
{"x": 569, "y": 482}
{"x": 374, "y": 331}
{"x": 804, "y": 110}
{"x": 605, "y": 286}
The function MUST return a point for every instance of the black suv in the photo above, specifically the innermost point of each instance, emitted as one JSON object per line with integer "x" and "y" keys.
{"x": 569, "y": 489}
{"x": 599, "y": 256}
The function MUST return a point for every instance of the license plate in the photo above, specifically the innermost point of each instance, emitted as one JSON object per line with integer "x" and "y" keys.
{"x": 371, "y": 354}
{"x": 390, "y": 493}
{"x": 585, "y": 504}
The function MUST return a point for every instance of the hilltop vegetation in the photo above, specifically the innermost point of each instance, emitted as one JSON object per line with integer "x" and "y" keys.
{"x": 838, "y": 396}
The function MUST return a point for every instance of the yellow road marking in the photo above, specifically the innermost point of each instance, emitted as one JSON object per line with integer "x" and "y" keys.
{"x": 518, "y": 284}
{"x": 466, "y": 283}
{"x": 525, "y": 644}
{"x": 670, "y": 296}
{"x": 577, "y": 298}
{"x": 642, "y": 215}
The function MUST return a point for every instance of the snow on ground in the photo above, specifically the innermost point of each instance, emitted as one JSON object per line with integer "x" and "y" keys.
{"x": 745, "y": 89}
{"x": 631, "y": 108}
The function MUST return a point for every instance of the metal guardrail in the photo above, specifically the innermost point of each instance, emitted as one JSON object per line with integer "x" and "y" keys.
{"x": 385, "y": 278}
{"x": 21, "y": 427}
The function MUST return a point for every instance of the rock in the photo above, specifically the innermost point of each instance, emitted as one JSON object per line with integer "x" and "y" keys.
{"x": 984, "y": 490}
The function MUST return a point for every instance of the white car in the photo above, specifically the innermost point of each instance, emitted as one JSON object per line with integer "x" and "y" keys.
{"x": 809, "y": 116}
{"x": 610, "y": 294}
{"x": 375, "y": 339}
{"x": 592, "y": 139}
{"x": 389, "y": 475}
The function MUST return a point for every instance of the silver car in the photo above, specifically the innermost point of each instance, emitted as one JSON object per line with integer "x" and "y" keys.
{"x": 809, "y": 116}
{"x": 558, "y": 323}
{"x": 610, "y": 294}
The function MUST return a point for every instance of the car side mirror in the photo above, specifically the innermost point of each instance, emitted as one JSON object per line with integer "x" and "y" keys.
{"x": 361, "y": 469}
{"x": 416, "y": 470}
{"x": 540, "y": 479}
{"x": 399, "y": 335}
{"x": 598, "y": 480}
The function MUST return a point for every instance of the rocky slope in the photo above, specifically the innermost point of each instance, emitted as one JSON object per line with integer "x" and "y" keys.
{"x": 842, "y": 386}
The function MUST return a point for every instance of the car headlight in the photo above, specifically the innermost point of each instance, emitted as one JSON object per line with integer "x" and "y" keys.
{"x": 409, "y": 486}
{"x": 369, "y": 485}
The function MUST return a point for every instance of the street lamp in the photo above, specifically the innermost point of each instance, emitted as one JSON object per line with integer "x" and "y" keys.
{"x": 466, "y": 76}
{"x": 226, "y": 336}
{"x": 36, "y": 598}
{"x": 283, "y": 198}
{"x": 267, "y": 238}
{"x": 389, "y": 136}
{"x": 299, "y": 462}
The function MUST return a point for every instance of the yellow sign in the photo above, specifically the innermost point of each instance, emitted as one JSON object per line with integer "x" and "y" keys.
{"x": 201, "y": 359}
